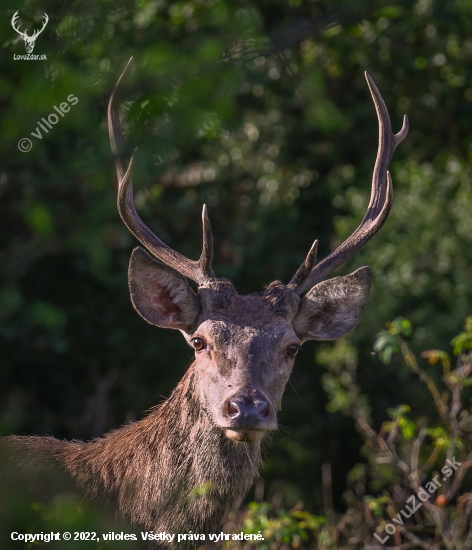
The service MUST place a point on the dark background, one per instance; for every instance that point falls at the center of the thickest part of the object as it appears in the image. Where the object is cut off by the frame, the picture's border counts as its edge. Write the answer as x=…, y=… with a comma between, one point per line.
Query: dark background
x=260, y=110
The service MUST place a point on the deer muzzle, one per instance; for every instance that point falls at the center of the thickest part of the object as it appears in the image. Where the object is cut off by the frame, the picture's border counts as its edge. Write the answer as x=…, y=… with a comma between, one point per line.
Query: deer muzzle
x=248, y=418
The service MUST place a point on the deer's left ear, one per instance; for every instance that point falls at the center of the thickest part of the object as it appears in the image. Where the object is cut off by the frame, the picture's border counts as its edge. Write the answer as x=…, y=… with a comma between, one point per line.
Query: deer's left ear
x=333, y=308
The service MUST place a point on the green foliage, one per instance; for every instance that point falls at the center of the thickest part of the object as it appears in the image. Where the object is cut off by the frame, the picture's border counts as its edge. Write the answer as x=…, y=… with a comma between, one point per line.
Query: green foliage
x=387, y=340
x=407, y=426
x=198, y=492
x=463, y=341
x=278, y=527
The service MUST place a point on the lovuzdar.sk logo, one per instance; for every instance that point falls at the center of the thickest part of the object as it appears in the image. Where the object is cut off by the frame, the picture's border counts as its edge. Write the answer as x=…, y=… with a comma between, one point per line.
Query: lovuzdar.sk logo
x=29, y=40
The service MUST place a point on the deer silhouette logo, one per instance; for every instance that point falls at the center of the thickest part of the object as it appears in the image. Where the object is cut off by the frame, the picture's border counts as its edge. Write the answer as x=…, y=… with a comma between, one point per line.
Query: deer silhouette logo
x=29, y=40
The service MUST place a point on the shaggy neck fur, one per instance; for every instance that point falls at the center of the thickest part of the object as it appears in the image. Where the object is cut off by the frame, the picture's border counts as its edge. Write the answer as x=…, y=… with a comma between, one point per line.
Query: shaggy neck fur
x=150, y=469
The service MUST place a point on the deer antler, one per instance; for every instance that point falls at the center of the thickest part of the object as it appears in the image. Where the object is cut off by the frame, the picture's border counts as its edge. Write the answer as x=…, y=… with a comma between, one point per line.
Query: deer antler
x=309, y=274
x=37, y=33
x=14, y=20
x=24, y=35
x=199, y=271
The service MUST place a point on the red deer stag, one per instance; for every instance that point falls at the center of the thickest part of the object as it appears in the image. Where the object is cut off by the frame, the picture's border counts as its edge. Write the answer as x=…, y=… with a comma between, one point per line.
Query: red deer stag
x=210, y=429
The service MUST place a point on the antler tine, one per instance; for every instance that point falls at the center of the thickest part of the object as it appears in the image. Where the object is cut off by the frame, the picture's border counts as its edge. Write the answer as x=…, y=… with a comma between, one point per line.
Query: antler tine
x=14, y=21
x=201, y=271
x=306, y=267
x=207, y=249
x=379, y=205
x=45, y=22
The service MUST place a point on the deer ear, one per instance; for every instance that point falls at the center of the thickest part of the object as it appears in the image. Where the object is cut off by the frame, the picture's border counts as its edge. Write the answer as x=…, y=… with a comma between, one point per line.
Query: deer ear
x=160, y=294
x=333, y=308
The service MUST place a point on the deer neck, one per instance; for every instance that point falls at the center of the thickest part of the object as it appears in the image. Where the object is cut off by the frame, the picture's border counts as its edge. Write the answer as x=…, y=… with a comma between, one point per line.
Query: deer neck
x=174, y=469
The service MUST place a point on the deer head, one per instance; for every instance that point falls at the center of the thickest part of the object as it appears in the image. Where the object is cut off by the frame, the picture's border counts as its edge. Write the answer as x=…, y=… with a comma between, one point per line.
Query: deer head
x=245, y=346
x=29, y=40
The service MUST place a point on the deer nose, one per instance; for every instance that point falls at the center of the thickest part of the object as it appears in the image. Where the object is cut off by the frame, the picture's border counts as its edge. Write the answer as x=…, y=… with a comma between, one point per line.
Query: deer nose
x=247, y=411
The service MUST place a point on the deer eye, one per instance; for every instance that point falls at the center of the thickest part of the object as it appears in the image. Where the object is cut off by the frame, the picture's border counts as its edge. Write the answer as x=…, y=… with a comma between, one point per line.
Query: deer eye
x=198, y=343
x=293, y=350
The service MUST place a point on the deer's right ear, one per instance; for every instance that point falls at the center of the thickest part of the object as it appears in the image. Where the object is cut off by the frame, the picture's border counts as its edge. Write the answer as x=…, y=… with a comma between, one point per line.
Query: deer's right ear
x=160, y=294
x=333, y=308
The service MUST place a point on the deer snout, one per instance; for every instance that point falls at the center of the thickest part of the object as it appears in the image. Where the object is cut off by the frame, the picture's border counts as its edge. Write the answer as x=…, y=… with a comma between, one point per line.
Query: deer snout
x=248, y=412
x=249, y=417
